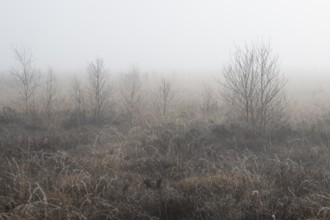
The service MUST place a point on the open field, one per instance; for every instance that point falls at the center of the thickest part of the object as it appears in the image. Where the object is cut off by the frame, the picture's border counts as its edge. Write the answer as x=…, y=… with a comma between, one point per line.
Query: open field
x=139, y=145
x=182, y=169
x=164, y=110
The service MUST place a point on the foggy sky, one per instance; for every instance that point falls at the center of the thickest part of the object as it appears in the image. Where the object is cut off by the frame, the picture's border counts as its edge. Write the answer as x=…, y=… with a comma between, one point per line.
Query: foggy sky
x=164, y=34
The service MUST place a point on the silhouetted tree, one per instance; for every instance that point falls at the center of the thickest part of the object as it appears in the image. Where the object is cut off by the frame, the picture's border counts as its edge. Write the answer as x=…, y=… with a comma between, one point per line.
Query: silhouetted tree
x=166, y=95
x=50, y=92
x=209, y=104
x=79, y=102
x=254, y=87
x=131, y=91
x=99, y=87
x=26, y=77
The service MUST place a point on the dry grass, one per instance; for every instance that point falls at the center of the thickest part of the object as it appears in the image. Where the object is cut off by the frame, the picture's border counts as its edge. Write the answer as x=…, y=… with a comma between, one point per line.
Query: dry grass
x=164, y=171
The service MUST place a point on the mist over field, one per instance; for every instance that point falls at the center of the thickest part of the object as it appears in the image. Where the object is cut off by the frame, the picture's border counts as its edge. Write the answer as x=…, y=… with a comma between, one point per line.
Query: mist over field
x=164, y=110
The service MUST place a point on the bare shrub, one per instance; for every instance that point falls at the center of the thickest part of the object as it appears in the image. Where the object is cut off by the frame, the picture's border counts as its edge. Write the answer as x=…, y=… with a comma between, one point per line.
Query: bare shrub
x=50, y=92
x=131, y=92
x=209, y=104
x=166, y=95
x=78, y=94
x=99, y=87
x=26, y=76
x=78, y=101
x=253, y=87
x=8, y=115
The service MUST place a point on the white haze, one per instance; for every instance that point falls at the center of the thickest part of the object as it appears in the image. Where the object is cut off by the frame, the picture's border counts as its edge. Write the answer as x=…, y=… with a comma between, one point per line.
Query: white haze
x=171, y=35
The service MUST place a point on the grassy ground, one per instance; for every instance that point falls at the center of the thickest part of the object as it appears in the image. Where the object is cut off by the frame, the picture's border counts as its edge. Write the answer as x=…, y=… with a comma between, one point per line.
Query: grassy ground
x=163, y=171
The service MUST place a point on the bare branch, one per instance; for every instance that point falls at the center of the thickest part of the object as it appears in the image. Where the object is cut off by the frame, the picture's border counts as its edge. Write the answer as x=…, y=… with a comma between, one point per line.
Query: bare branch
x=26, y=77
x=166, y=95
x=50, y=92
x=99, y=87
x=131, y=91
x=254, y=86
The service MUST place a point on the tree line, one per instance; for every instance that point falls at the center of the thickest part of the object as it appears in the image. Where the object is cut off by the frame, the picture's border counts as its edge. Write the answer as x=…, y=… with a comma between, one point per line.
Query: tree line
x=252, y=89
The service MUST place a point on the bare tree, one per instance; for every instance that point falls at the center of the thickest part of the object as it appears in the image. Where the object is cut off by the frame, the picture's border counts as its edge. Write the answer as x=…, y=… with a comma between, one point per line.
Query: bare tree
x=166, y=95
x=254, y=87
x=209, y=104
x=26, y=77
x=2, y=84
x=100, y=89
x=131, y=91
x=78, y=95
x=50, y=92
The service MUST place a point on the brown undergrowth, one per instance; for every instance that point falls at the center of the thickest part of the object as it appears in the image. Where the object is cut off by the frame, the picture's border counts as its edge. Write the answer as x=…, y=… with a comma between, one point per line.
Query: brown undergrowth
x=167, y=171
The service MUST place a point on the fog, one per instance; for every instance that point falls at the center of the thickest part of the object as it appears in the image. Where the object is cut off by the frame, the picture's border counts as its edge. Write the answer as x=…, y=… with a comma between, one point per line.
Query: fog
x=189, y=41
x=154, y=109
x=164, y=36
